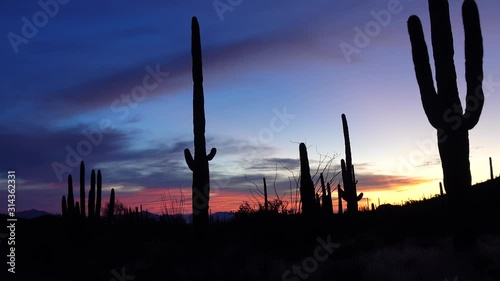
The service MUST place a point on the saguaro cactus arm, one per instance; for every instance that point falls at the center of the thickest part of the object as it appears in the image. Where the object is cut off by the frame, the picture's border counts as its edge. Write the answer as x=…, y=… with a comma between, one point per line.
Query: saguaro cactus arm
x=189, y=159
x=443, y=108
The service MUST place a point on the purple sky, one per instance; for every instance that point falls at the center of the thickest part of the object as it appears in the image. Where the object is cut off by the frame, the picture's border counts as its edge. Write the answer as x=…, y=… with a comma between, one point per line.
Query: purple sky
x=275, y=74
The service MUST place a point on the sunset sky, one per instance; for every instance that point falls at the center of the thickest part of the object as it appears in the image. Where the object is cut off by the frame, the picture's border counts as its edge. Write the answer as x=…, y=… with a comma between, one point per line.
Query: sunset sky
x=275, y=74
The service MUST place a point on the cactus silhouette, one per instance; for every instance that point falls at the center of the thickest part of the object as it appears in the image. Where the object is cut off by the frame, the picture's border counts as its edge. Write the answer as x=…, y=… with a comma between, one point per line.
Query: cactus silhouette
x=199, y=164
x=326, y=198
x=266, y=204
x=91, y=202
x=99, y=193
x=349, y=193
x=82, y=189
x=443, y=107
x=329, y=207
x=441, y=189
x=71, y=200
x=64, y=207
x=111, y=206
x=341, y=210
x=307, y=194
x=77, y=208
x=491, y=169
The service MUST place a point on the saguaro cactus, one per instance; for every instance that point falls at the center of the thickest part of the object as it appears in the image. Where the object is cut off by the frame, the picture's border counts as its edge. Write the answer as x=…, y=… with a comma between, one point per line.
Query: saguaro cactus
x=329, y=204
x=307, y=194
x=82, y=189
x=111, y=206
x=266, y=204
x=349, y=193
x=326, y=198
x=341, y=210
x=99, y=193
x=64, y=207
x=71, y=200
x=491, y=169
x=199, y=165
x=92, y=195
x=443, y=107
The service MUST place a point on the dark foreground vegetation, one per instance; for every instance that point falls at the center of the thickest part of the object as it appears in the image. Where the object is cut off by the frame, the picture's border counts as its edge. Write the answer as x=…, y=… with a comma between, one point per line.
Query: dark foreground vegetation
x=410, y=242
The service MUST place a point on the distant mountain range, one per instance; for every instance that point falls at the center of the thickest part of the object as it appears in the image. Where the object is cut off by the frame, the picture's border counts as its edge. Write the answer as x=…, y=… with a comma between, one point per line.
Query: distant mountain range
x=219, y=216
x=31, y=214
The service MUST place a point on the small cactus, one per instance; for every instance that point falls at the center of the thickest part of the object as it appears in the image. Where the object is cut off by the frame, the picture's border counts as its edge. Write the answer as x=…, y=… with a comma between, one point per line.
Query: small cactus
x=111, y=206
x=92, y=195
x=307, y=194
x=71, y=200
x=99, y=193
x=82, y=189
x=64, y=207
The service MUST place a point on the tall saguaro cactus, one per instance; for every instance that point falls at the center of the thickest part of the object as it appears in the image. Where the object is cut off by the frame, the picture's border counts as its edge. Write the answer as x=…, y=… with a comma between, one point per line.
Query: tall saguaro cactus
x=307, y=194
x=349, y=193
x=99, y=193
x=199, y=164
x=443, y=107
x=92, y=195
x=71, y=200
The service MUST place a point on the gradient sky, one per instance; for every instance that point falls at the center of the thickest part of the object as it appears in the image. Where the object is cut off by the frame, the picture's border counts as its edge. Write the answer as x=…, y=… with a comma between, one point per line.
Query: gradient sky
x=260, y=58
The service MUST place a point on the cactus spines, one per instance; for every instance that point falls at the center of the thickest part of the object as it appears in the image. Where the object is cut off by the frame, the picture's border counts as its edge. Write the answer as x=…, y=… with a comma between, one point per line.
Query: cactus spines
x=99, y=193
x=307, y=194
x=443, y=107
x=349, y=193
x=199, y=164
x=111, y=206
x=71, y=200
x=491, y=169
x=92, y=195
x=64, y=207
x=82, y=189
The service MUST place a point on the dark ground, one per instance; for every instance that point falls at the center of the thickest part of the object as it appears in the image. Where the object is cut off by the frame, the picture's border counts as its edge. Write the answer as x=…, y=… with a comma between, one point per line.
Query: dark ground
x=400, y=243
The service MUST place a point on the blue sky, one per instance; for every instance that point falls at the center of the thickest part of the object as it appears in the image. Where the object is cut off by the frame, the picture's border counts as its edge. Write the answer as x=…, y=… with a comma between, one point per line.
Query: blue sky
x=262, y=61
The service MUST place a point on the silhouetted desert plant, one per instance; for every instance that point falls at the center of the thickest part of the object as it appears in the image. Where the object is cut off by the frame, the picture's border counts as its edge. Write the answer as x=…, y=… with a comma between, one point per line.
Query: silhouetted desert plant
x=71, y=200
x=326, y=197
x=111, y=206
x=307, y=194
x=443, y=107
x=491, y=170
x=82, y=189
x=199, y=164
x=99, y=194
x=91, y=206
x=349, y=193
